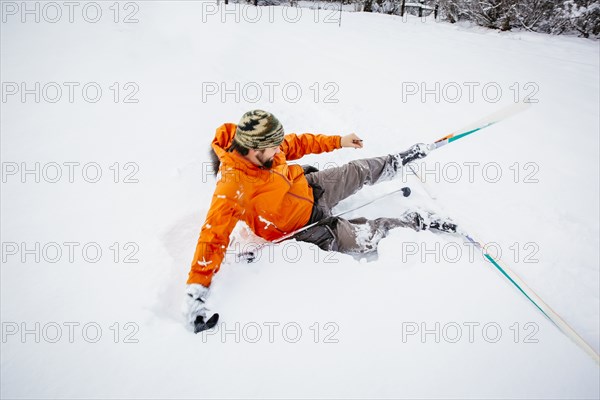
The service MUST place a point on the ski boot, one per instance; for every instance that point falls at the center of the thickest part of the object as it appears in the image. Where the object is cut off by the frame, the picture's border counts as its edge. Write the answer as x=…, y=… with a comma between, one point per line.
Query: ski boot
x=443, y=226
x=428, y=221
x=415, y=152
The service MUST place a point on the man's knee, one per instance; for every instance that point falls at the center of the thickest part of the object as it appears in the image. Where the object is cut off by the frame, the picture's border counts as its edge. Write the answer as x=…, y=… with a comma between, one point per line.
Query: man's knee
x=346, y=237
x=360, y=172
x=322, y=234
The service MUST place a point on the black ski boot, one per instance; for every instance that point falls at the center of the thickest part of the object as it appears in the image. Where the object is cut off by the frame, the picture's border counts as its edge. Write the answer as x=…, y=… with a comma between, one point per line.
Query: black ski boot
x=443, y=226
x=415, y=152
x=431, y=221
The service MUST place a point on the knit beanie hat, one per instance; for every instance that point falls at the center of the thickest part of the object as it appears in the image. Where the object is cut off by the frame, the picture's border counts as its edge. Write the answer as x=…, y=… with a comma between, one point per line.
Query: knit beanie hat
x=259, y=129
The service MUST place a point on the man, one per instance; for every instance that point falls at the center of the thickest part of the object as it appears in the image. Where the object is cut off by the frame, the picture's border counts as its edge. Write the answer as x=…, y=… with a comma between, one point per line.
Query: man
x=257, y=186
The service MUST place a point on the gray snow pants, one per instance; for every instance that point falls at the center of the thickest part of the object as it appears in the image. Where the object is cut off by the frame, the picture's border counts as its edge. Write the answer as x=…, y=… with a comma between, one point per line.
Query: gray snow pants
x=359, y=235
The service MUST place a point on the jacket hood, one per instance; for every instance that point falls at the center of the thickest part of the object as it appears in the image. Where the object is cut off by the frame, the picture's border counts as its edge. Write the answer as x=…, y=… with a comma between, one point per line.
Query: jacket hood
x=223, y=139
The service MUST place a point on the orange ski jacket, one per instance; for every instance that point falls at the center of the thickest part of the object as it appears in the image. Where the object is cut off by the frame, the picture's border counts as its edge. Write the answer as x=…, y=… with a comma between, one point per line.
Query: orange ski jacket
x=272, y=202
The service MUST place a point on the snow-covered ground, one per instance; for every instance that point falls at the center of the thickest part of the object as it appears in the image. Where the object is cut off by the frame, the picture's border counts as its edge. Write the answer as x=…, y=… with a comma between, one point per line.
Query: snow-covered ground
x=427, y=319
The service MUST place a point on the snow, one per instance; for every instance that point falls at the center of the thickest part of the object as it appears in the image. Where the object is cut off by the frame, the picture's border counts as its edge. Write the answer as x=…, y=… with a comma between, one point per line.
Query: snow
x=204, y=263
x=265, y=221
x=355, y=319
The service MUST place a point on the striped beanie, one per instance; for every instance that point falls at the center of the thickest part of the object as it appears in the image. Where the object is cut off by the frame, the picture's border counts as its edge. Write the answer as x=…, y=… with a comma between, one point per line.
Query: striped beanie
x=259, y=129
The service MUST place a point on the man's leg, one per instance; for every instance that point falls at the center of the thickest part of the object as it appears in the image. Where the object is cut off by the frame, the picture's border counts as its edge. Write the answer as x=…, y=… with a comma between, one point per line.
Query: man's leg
x=335, y=184
x=361, y=235
x=342, y=182
x=355, y=236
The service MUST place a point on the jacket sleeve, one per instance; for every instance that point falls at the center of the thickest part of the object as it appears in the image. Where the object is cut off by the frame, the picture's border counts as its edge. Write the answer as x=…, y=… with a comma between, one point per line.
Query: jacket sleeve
x=214, y=237
x=295, y=146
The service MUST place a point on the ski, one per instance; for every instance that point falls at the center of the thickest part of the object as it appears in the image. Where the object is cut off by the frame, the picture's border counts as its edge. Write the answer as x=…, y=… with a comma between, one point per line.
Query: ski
x=483, y=123
x=513, y=278
x=536, y=300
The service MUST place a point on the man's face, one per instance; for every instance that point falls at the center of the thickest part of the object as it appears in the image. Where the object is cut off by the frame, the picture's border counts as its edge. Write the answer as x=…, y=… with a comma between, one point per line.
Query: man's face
x=265, y=156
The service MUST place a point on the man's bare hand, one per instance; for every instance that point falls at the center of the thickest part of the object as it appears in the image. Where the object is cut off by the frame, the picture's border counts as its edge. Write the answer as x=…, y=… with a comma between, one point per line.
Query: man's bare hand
x=352, y=140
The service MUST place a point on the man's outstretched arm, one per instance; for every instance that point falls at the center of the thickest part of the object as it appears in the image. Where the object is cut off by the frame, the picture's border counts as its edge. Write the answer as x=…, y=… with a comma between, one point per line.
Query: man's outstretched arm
x=210, y=251
x=296, y=146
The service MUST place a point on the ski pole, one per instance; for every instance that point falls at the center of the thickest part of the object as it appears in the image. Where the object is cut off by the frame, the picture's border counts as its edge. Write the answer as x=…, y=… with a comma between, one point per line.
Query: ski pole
x=249, y=255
